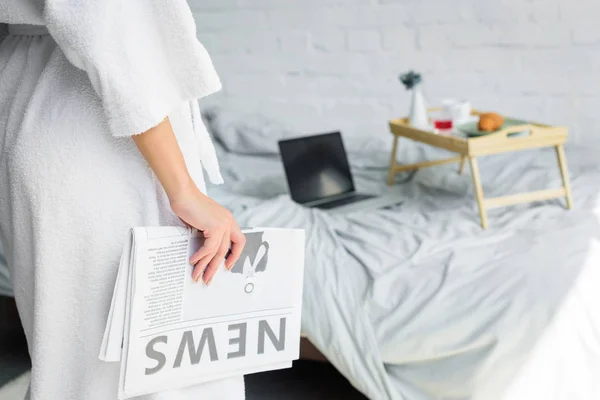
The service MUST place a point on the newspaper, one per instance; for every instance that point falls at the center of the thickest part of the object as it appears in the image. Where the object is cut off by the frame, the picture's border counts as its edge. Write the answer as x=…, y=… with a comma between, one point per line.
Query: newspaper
x=170, y=332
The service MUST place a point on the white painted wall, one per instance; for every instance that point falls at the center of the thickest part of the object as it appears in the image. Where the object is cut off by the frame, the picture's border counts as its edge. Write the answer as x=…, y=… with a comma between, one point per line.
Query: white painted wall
x=333, y=64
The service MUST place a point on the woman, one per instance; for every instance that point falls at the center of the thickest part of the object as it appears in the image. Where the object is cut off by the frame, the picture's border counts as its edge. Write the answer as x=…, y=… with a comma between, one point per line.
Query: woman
x=99, y=132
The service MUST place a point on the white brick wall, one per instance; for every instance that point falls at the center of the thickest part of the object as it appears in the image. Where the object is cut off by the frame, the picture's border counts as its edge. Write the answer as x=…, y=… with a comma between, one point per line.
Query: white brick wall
x=333, y=64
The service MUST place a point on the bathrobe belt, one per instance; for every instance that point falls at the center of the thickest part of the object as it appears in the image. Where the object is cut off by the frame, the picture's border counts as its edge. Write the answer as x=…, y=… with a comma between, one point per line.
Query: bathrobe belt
x=208, y=156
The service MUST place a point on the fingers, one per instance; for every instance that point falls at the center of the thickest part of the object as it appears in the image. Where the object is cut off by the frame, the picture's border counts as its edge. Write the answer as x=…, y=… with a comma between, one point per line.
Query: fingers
x=216, y=261
x=215, y=248
x=202, y=257
x=199, y=268
x=238, y=241
x=209, y=247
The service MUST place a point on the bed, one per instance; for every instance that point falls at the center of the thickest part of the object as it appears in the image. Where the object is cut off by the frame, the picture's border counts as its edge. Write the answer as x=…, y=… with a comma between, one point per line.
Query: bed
x=418, y=302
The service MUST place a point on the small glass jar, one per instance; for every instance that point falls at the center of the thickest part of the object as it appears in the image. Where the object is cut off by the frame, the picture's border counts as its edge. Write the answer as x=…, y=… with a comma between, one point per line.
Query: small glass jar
x=441, y=121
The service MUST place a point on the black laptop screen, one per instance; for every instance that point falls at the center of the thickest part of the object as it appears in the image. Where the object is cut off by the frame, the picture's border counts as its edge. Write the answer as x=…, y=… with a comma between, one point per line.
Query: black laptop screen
x=316, y=167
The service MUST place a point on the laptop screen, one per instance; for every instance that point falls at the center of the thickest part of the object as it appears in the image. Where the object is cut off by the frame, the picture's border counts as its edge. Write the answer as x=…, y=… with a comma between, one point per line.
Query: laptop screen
x=316, y=167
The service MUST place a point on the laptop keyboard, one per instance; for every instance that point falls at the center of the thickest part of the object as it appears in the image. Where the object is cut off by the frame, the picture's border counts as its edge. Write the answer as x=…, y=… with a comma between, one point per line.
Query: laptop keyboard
x=344, y=201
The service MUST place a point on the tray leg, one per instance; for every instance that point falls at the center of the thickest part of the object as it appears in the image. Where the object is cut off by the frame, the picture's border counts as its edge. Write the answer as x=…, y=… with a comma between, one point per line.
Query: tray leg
x=478, y=191
x=461, y=167
x=564, y=172
x=392, y=171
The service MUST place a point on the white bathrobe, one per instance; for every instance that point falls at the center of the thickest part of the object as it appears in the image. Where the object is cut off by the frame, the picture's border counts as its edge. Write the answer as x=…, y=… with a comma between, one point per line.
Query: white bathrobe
x=72, y=182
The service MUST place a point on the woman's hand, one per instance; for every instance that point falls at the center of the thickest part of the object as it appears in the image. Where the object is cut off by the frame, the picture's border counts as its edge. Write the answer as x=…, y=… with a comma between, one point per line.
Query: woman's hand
x=159, y=147
x=219, y=228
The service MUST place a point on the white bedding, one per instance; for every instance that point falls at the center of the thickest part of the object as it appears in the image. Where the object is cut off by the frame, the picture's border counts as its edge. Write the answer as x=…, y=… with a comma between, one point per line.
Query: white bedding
x=421, y=303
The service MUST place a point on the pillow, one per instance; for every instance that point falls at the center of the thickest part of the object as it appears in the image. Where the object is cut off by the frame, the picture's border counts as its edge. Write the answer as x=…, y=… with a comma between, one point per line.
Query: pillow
x=246, y=132
x=253, y=133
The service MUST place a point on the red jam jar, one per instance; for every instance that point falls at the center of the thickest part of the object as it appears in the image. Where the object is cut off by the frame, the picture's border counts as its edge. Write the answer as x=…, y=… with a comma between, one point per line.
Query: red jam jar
x=442, y=124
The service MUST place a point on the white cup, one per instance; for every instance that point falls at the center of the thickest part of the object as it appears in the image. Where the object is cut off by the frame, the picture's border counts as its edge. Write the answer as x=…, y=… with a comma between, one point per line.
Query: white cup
x=460, y=110
x=449, y=108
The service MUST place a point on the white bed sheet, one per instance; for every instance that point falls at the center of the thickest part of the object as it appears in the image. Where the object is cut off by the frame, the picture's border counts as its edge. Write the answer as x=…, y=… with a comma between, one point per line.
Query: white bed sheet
x=421, y=303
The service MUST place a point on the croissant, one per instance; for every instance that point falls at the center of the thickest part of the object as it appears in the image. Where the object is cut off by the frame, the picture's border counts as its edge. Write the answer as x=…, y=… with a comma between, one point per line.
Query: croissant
x=489, y=122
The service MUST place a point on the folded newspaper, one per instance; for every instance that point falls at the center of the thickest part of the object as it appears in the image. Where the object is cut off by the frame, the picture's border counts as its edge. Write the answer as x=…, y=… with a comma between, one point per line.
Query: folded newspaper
x=170, y=332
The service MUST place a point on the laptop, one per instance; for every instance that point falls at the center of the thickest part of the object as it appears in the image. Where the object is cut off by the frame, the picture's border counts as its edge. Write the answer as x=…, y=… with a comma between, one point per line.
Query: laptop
x=318, y=175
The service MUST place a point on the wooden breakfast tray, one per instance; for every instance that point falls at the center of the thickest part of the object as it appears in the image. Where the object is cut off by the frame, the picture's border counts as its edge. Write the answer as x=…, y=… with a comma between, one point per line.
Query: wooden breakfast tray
x=535, y=135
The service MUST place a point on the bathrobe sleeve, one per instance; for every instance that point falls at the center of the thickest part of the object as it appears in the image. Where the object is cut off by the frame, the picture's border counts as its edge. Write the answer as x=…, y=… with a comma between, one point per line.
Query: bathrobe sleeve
x=142, y=56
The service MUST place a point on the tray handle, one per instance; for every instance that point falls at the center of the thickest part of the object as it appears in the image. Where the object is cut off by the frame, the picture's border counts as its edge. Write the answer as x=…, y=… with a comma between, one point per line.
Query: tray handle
x=530, y=131
x=527, y=129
